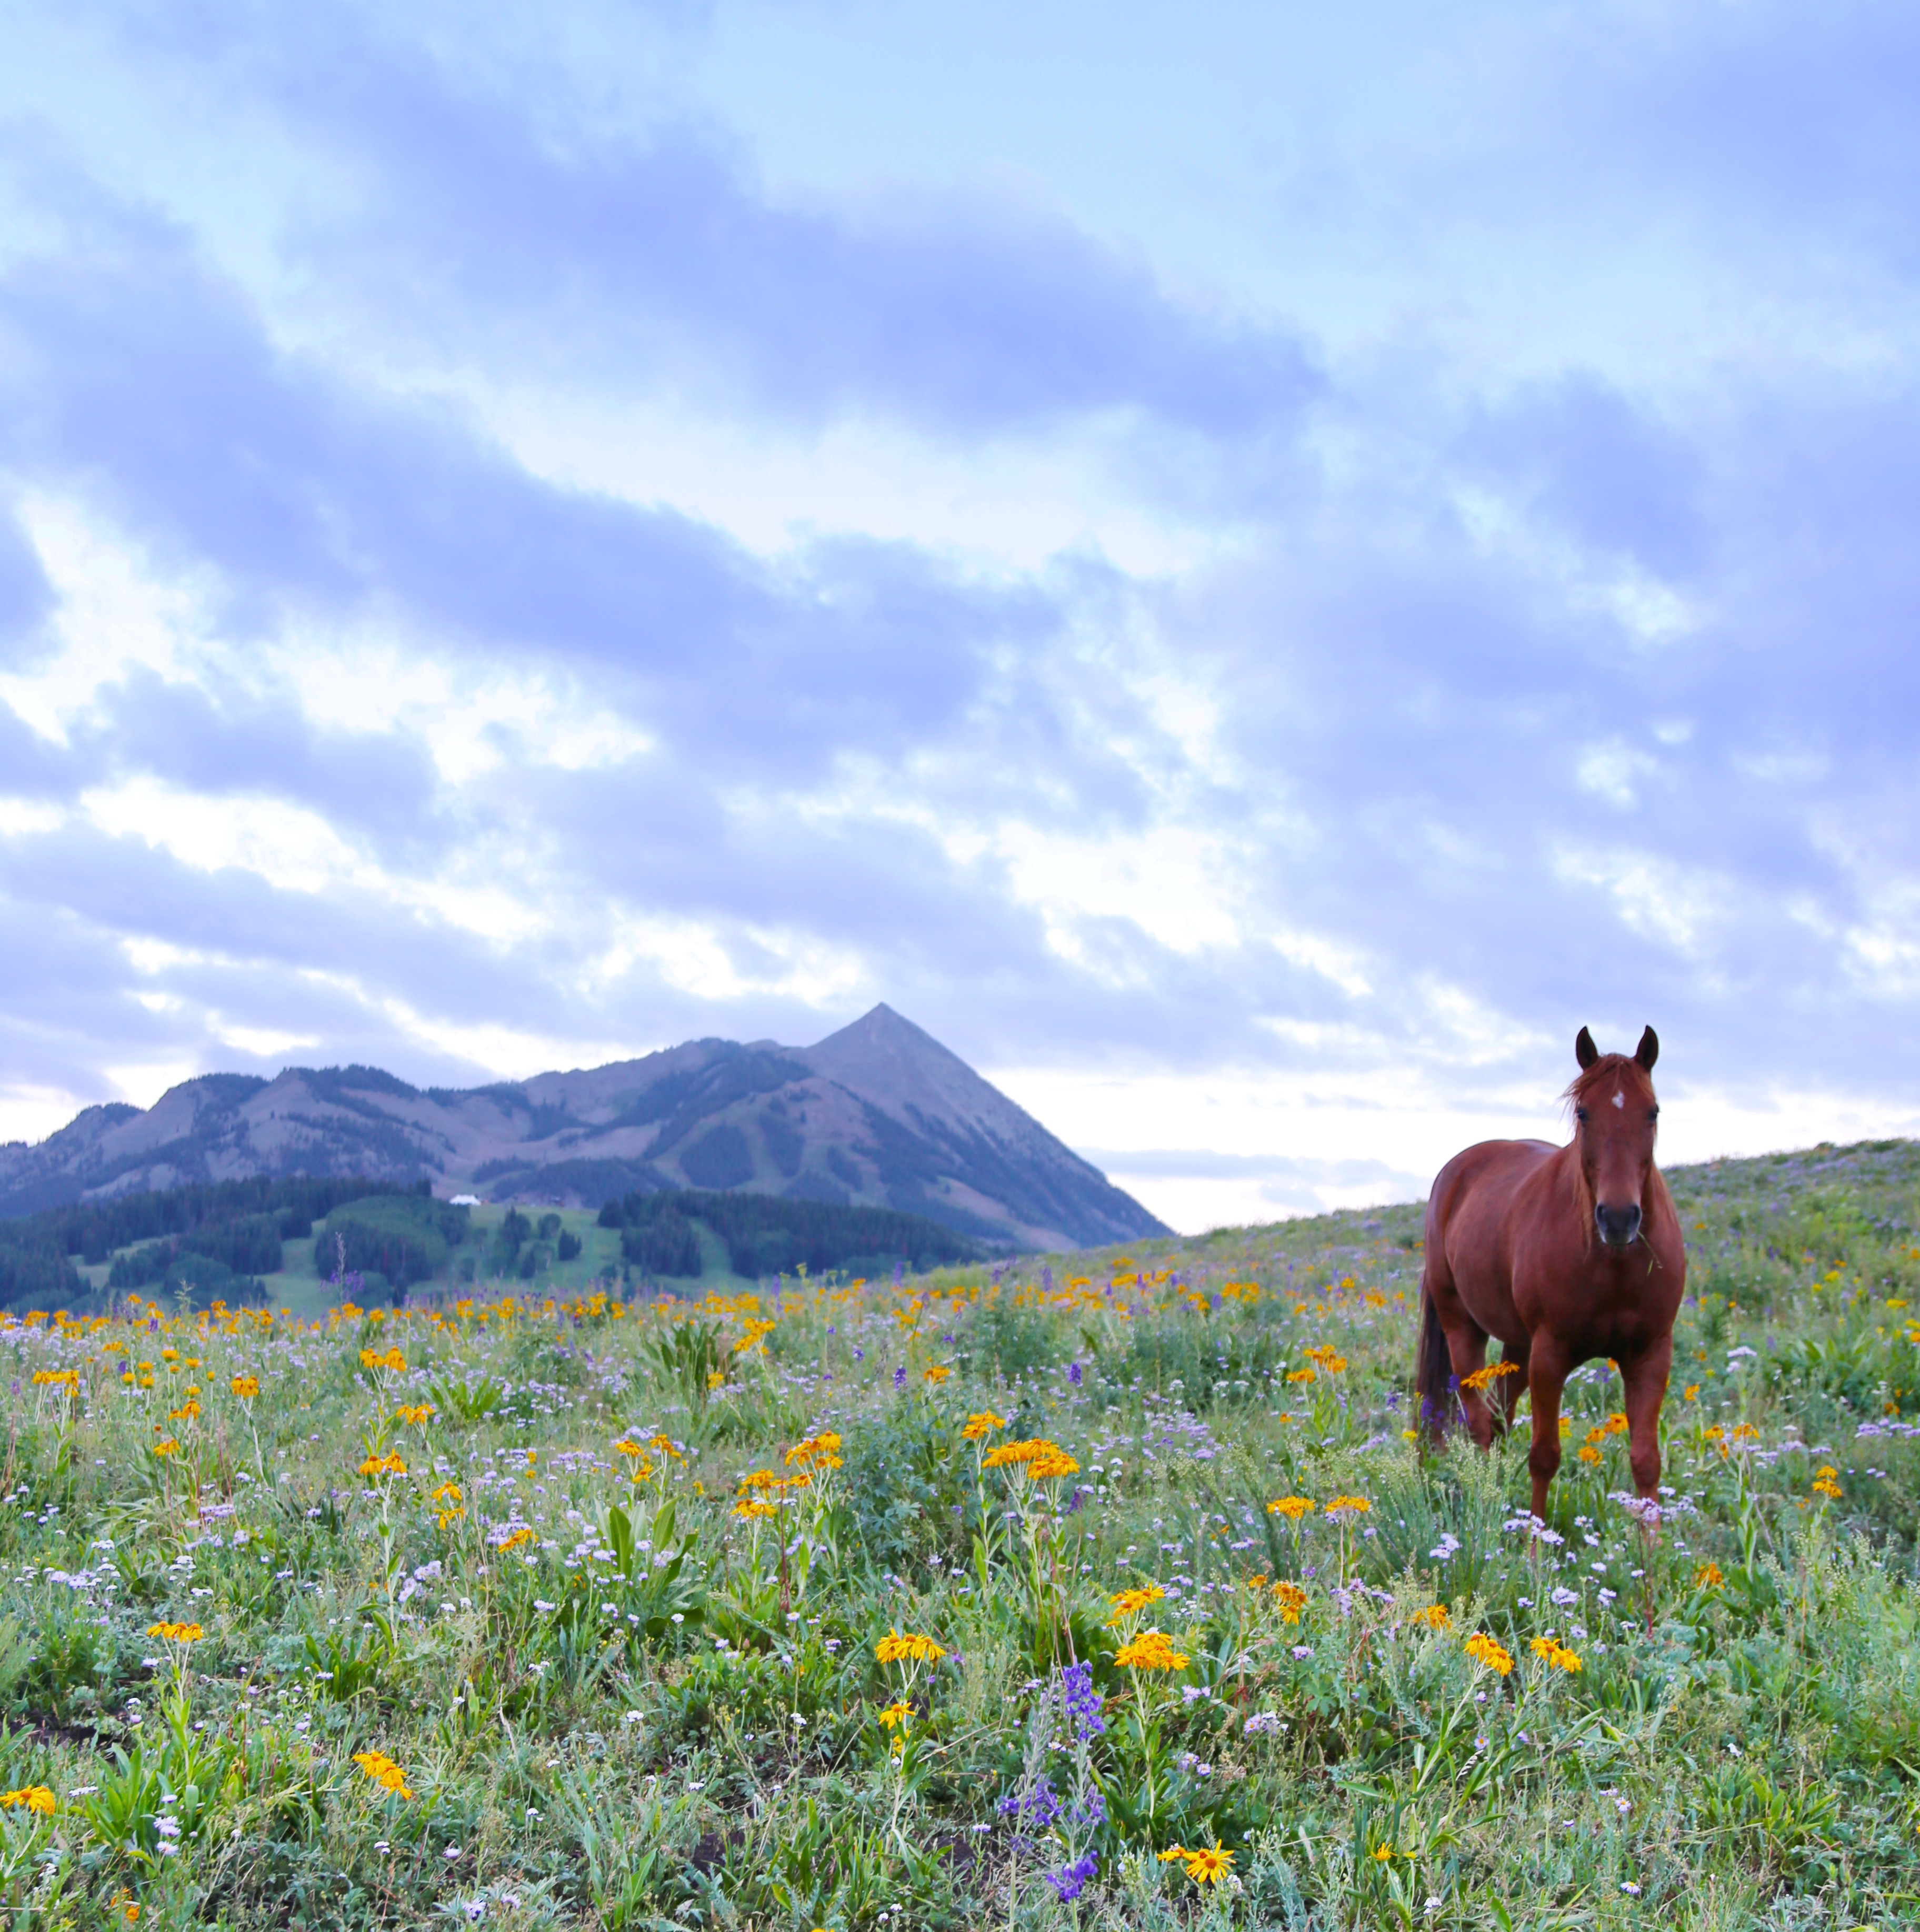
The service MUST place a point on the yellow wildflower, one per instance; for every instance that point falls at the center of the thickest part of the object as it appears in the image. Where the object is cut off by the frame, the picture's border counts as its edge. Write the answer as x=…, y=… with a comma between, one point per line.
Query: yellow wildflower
x=1291, y=1508
x=816, y=1452
x=246, y=1387
x=35, y=1797
x=1485, y=1378
x=1130, y=1603
x=1151, y=1650
x=894, y=1648
x=383, y=1770
x=1035, y=1449
x=982, y=1422
x=1495, y=1656
x=1291, y=1600
x=1209, y=1866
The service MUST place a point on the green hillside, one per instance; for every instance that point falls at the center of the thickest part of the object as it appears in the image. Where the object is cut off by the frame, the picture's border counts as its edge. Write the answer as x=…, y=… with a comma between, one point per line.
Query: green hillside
x=1107, y=1588
x=281, y=1243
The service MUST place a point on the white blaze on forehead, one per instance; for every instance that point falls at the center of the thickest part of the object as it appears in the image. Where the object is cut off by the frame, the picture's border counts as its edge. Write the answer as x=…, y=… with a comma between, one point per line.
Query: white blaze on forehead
x=1619, y=1099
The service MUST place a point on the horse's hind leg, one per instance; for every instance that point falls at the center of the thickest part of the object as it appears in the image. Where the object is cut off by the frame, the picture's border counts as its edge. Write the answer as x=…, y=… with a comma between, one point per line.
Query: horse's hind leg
x=1506, y=1390
x=1466, y=1348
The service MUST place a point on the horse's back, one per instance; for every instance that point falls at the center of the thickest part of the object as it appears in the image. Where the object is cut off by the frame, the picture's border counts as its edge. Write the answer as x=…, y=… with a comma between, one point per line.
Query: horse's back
x=1478, y=1176
x=1468, y=1209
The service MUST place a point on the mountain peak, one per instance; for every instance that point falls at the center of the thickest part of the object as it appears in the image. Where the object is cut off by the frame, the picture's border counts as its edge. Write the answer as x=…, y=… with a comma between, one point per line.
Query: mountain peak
x=891, y=1061
x=879, y=1114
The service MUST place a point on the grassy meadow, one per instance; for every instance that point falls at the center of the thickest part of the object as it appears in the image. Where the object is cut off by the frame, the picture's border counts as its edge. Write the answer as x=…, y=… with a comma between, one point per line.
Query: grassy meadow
x=964, y=1601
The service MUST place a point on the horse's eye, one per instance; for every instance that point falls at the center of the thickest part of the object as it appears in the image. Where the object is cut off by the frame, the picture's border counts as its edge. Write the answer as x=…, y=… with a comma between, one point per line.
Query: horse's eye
x=1579, y=1114
x=1653, y=1113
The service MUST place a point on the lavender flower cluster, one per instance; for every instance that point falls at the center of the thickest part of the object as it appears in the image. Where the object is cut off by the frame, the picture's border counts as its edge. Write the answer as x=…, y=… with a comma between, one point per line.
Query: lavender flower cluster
x=1082, y=1700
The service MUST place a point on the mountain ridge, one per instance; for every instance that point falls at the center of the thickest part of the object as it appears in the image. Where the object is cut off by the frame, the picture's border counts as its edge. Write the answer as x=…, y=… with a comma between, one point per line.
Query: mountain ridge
x=879, y=1114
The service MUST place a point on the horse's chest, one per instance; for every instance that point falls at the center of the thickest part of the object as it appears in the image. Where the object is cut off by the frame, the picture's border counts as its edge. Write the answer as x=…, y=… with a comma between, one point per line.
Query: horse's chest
x=1601, y=1310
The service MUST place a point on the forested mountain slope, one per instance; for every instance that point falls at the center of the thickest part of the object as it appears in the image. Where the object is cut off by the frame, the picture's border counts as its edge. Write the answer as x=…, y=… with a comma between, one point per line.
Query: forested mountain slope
x=878, y=1114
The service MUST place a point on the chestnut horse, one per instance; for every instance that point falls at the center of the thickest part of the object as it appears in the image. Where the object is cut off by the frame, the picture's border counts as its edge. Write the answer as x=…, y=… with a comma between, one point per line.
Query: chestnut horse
x=1564, y=1254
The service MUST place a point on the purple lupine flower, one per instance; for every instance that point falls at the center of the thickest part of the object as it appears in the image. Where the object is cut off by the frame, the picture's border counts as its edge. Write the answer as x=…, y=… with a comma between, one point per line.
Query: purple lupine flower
x=900, y=1377
x=1082, y=1700
x=1046, y=1279
x=1071, y=1879
x=1074, y=1374
x=1038, y=1809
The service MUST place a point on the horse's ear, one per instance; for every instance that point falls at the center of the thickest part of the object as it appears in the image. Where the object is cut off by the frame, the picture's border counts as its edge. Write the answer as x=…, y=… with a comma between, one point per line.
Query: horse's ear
x=1584, y=1051
x=1649, y=1049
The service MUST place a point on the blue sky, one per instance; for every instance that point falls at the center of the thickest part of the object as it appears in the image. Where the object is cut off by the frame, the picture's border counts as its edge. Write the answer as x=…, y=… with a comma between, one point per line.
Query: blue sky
x=1249, y=571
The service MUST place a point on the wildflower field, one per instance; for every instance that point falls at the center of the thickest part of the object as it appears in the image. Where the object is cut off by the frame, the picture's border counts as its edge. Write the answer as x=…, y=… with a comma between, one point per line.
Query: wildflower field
x=1091, y=1590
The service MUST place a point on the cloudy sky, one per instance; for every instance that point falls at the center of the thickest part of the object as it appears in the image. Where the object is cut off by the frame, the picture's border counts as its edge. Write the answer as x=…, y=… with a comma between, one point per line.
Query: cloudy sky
x=1250, y=565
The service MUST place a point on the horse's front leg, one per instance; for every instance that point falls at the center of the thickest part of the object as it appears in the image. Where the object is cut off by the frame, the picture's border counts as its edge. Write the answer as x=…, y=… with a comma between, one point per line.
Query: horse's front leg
x=1645, y=1377
x=1547, y=1367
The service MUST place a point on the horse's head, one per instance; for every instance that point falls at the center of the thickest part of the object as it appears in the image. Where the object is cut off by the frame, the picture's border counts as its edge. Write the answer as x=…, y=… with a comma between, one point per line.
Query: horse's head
x=1615, y=1117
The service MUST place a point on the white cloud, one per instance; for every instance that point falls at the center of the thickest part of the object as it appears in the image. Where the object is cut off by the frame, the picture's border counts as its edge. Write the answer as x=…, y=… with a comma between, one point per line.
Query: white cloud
x=1180, y=887
x=31, y=1112
x=113, y=613
x=292, y=848
x=1674, y=905
x=19, y=816
x=1612, y=770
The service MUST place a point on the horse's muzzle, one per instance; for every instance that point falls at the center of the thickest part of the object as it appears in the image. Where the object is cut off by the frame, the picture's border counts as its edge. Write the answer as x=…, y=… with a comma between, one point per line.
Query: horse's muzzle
x=1619, y=1227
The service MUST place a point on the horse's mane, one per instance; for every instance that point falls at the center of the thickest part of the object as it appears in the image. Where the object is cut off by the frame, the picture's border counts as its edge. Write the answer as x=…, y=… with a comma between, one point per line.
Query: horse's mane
x=1589, y=1077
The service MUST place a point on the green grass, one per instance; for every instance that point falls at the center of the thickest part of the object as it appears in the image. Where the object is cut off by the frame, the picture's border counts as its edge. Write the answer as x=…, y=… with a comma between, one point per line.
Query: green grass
x=689, y=1733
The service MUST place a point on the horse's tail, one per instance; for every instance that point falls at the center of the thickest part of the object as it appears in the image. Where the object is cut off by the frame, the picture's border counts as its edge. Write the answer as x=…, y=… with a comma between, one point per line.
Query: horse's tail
x=1433, y=1370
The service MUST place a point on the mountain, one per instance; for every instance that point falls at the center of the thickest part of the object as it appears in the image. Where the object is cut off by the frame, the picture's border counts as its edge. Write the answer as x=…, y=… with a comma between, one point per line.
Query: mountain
x=878, y=1114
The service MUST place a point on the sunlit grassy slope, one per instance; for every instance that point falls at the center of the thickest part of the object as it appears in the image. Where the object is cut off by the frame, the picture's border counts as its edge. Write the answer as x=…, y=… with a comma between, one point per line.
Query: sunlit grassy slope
x=798, y=1609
